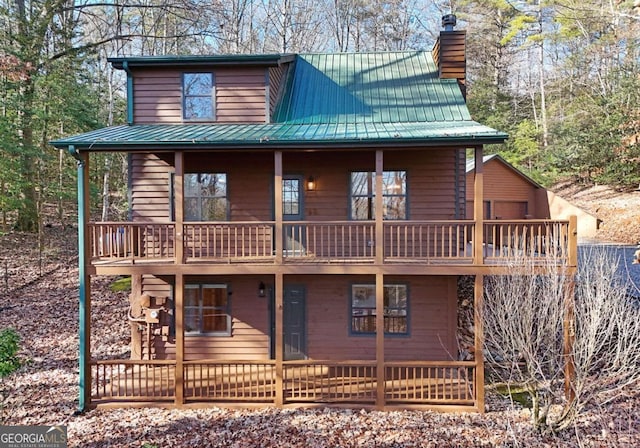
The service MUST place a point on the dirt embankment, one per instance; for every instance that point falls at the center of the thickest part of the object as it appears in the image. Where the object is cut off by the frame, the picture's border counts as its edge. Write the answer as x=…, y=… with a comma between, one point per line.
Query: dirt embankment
x=618, y=210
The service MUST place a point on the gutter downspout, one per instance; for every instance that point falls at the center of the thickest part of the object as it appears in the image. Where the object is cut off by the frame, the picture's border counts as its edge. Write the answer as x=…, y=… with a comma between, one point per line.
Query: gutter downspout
x=125, y=67
x=82, y=305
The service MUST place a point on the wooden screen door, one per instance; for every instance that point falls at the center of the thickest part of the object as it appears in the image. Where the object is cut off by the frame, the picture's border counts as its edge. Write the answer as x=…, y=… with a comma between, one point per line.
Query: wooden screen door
x=295, y=323
x=293, y=210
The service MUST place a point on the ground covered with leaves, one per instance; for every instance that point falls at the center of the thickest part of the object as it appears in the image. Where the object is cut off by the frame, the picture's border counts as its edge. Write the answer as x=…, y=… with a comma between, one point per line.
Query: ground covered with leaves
x=44, y=390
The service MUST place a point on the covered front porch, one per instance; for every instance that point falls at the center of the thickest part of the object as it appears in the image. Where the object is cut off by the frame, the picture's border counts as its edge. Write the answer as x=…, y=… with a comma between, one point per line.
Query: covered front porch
x=296, y=340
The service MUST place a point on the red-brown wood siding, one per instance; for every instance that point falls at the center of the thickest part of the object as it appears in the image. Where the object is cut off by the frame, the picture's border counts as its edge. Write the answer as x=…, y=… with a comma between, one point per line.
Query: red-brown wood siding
x=157, y=96
x=450, y=58
x=505, y=190
x=249, y=338
x=149, y=190
x=240, y=95
x=431, y=182
x=432, y=319
x=449, y=54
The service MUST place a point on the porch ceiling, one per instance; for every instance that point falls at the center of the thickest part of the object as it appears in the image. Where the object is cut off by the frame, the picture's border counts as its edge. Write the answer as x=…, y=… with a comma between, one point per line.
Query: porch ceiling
x=268, y=136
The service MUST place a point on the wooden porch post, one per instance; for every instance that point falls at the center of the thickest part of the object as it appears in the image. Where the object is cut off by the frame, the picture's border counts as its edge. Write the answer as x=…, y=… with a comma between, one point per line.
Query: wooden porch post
x=179, y=306
x=478, y=207
x=279, y=345
x=478, y=303
x=569, y=337
x=137, y=349
x=277, y=166
x=380, y=368
x=178, y=205
x=279, y=281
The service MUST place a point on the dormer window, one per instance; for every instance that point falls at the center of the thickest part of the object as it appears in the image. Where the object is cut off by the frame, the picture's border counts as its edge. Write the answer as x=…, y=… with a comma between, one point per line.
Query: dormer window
x=197, y=91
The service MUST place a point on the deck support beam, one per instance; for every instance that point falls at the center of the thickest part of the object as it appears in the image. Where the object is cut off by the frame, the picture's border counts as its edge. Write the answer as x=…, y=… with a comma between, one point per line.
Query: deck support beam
x=478, y=303
x=478, y=206
x=279, y=281
x=179, y=324
x=279, y=345
x=380, y=371
x=178, y=206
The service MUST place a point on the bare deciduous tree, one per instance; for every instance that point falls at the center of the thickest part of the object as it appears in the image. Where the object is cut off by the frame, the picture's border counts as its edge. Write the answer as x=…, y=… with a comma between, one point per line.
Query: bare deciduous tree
x=526, y=314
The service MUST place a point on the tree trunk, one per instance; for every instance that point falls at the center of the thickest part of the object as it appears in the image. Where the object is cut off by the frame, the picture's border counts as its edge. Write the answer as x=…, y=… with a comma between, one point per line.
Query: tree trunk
x=27, y=214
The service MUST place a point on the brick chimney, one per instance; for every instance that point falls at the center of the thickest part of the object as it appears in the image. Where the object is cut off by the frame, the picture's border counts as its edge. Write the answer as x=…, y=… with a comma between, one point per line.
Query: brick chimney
x=449, y=52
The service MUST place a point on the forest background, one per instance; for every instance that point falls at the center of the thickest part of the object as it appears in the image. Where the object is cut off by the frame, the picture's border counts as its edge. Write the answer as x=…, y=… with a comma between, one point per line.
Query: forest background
x=562, y=77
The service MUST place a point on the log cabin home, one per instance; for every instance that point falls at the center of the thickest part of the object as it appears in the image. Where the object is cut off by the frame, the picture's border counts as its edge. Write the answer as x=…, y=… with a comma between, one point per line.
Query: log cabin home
x=297, y=231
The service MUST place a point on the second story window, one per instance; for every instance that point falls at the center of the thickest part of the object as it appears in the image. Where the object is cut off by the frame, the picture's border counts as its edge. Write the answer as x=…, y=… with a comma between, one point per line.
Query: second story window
x=394, y=195
x=197, y=91
x=205, y=197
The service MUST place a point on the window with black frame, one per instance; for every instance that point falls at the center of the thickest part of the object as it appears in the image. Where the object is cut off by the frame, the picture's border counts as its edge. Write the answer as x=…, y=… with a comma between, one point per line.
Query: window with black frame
x=363, y=309
x=207, y=310
x=394, y=195
x=205, y=197
x=198, y=96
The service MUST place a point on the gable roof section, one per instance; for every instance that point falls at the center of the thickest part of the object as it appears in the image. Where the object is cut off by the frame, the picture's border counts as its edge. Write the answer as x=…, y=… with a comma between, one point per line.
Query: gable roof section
x=497, y=157
x=359, y=99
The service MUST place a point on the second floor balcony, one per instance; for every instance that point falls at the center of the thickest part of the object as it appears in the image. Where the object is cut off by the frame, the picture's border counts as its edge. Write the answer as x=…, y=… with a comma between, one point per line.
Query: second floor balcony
x=455, y=242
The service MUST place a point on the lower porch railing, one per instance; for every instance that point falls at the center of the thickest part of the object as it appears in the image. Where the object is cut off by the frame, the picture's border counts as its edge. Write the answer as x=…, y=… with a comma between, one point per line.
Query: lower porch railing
x=129, y=380
x=417, y=382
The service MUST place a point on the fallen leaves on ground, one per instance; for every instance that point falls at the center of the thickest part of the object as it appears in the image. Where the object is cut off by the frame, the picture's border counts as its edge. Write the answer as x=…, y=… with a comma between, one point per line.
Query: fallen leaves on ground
x=45, y=390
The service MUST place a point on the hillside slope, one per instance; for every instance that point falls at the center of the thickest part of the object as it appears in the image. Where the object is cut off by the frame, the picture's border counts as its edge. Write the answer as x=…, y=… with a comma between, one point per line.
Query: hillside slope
x=618, y=210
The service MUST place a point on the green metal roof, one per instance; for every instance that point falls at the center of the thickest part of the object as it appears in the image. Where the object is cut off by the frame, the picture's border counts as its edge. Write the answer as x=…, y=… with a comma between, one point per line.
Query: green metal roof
x=393, y=87
x=268, y=135
x=391, y=98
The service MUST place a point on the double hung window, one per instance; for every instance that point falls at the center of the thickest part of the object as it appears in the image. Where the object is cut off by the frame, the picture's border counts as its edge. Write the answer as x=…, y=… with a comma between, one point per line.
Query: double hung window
x=205, y=197
x=394, y=195
x=207, y=310
x=363, y=309
x=197, y=94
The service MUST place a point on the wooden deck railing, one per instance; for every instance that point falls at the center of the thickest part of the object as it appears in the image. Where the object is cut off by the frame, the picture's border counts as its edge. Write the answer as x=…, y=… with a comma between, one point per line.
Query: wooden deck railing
x=335, y=240
x=228, y=241
x=330, y=381
x=428, y=242
x=431, y=382
x=229, y=381
x=307, y=381
x=532, y=239
x=142, y=241
x=129, y=380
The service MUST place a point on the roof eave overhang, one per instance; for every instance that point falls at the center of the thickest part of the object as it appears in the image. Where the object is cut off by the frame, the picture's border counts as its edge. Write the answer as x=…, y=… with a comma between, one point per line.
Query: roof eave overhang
x=265, y=60
x=462, y=142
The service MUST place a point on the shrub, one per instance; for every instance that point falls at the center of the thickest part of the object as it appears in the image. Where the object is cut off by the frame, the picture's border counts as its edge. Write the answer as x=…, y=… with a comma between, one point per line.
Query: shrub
x=9, y=361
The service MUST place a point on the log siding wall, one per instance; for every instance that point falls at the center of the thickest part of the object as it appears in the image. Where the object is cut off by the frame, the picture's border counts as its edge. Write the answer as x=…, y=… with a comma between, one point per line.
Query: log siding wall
x=149, y=188
x=240, y=95
x=431, y=184
x=432, y=321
